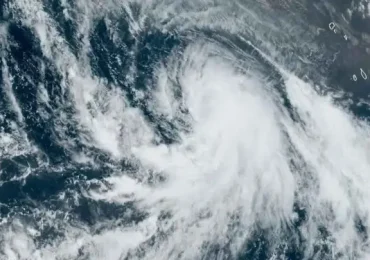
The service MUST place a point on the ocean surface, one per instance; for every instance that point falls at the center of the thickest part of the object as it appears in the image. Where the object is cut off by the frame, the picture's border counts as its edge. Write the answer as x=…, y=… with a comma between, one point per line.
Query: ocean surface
x=184, y=129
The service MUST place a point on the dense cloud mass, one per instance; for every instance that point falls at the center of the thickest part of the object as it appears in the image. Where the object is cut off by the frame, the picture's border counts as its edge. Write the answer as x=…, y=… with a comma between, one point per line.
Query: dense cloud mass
x=184, y=129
